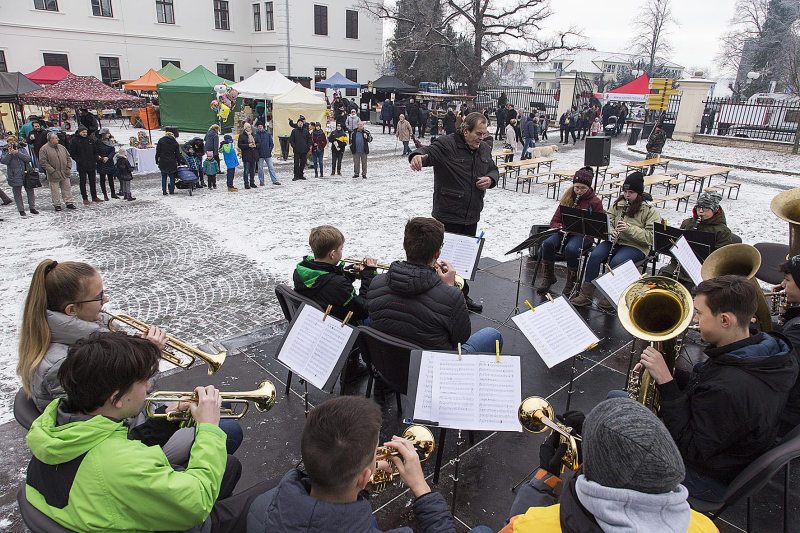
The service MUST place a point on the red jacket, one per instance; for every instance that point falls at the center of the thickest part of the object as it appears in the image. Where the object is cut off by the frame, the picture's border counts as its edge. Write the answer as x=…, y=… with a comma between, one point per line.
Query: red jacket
x=589, y=201
x=319, y=139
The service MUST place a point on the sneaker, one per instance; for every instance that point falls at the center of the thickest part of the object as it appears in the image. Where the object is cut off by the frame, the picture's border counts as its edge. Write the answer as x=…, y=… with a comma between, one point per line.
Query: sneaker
x=86, y=202
x=34, y=211
x=70, y=206
x=232, y=189
x=277, y=183
x=57, y=207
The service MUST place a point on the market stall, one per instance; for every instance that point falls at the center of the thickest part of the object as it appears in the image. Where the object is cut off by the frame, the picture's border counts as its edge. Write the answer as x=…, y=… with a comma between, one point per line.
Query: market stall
x=298, y=101
x=12, y=84
x=48, y=75
x=171, y=72
x=186, y=102
x=264, y=85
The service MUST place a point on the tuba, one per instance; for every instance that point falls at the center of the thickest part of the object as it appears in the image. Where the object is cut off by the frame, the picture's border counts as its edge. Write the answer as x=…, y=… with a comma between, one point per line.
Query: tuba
x=263, y=398
x=786, y=205
x=536, y=415
x=422, y=439
x=742, y=260
x=655, y=309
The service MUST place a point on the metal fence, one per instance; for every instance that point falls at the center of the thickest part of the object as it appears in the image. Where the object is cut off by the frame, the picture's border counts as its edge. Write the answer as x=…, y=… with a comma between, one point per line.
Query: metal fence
x=764, y=118
x=524, y=98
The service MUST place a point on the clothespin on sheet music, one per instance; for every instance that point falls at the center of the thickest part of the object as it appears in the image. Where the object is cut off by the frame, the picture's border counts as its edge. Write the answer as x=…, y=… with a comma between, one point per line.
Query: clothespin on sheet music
x=346, y=318
x=327, y=312
x=591, y=346
x=673, y=241
x=609, y=269
x=497, y=349
x=530, y=306
x=547, y=295
x=664, y=220
x=459, y=351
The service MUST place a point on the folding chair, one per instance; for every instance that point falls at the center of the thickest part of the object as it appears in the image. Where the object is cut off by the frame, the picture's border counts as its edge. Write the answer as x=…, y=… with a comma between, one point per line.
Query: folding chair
x=25, y=410
x=290, y=302
x=34, y=519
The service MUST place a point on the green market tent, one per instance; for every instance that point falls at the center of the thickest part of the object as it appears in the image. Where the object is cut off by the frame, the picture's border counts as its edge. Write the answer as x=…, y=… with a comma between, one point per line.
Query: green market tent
x=186, y=102
x=172, y=72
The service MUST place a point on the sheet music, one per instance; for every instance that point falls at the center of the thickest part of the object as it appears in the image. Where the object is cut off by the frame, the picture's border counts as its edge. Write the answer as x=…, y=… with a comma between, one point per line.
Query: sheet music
x=313, y=347
x=475, y=393
x=556, y=331
x=614, y=284
x=685, y=255
x=462, y=251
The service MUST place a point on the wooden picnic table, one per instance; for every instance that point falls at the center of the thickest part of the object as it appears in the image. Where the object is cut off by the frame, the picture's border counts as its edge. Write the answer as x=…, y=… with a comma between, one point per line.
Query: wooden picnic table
x=638, y=165
x=511, y=166
x=497, y=154
x=649, y=181
x=562, y=175
x=700, y=175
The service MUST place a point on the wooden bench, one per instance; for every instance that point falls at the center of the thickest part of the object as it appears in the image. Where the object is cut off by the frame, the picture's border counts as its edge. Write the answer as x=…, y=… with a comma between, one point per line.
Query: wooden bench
x=555, y=184
x=730, y=186
x=675, y=183
x=529, y=178
x=606, y=194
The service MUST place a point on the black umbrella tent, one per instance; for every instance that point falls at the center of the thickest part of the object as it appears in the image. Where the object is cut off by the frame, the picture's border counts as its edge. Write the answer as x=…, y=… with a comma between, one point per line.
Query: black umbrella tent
x=390, y=84
x=12, y=84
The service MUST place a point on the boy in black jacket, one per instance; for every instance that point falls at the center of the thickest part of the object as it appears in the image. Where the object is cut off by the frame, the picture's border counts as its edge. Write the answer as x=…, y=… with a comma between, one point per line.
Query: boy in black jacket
x=728, y=413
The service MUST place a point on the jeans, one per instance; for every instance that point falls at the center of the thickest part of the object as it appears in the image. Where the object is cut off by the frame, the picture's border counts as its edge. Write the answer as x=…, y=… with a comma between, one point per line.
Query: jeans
x=270, y=167
x=406, y=149
x=235, y=434
x=703, y=487
x=600, y=255
x=318, y=158
x=336, y=162
x=571, y=251
x=527, y=143
x=231, y=174
x=18, y=197
x=249, y=173
x=172, y=176
x=483, y=341
x=88, y=175
x=481, y=529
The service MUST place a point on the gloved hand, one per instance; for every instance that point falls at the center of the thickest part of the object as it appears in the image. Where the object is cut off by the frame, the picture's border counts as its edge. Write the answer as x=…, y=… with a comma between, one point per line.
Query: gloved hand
x=551, y=453
x=573, y=419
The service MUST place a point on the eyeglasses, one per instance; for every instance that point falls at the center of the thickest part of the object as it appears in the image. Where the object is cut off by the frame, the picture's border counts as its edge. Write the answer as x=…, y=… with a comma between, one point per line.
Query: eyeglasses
x=98, y=299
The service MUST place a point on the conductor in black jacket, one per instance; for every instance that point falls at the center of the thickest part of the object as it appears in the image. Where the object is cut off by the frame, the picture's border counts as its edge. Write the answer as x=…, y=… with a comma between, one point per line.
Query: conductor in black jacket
x=463, y=168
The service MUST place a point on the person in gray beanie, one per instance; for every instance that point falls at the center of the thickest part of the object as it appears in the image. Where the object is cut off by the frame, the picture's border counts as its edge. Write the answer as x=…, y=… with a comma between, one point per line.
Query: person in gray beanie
x=629, y=481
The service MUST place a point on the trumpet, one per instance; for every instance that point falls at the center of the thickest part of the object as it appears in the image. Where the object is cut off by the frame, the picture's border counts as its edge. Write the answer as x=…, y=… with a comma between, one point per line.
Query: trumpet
x=424, y=444
x=263, y=398
x=213, y=360
x=353, y=261
x=537, y=415
x=459, y=281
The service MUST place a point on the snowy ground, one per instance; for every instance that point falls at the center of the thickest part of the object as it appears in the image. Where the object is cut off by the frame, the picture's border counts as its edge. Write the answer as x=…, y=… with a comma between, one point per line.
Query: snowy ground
x=205, y=266
x=731, y=156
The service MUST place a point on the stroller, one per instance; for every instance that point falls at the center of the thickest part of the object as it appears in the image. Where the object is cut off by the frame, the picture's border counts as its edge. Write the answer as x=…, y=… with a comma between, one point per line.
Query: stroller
x=610, y=128
x=187, y=179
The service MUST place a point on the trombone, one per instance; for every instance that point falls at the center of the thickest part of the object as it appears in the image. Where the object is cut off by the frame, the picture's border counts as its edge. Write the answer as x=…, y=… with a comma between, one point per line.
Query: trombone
x=263, y=398
x=422, y=440
x=537, y=415
x=214, y=361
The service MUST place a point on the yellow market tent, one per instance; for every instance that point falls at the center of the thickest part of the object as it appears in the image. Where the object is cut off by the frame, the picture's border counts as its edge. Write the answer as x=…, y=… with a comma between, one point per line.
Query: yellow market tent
x=298, y=101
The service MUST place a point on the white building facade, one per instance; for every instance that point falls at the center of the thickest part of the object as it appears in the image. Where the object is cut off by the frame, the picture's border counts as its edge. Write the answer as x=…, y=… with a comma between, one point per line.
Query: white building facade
x=122, y=39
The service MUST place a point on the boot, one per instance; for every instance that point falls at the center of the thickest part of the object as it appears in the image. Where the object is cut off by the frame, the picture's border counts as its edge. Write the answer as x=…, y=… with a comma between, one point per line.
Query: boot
x=114, y=195
x=605, y=305
x=585, y=297
x=548, y=276
x=572, y=278
x=105, y=195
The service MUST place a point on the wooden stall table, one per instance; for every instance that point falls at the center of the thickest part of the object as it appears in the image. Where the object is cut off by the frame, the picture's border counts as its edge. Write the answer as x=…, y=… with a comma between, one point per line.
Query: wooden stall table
x=700, y=175
x=639, y=165
x=511, y=166
x=654, y=179
x=497, y=154
x=564, y=175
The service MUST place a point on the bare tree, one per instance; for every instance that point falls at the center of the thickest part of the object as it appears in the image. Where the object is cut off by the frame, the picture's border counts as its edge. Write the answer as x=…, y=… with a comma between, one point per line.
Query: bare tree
x=479, y=33
x=793, y=77
x=654, y=22
x=745, y=26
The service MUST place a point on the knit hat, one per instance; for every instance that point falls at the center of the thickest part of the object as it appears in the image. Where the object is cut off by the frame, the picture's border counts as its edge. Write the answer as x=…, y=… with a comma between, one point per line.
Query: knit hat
x=709, y=200
x=210, y=153
x=104, y=131
x=81, y=128
x=584, y=176
x=227, y=137
x=626, y=447
x=122, y=153
x=634, y=182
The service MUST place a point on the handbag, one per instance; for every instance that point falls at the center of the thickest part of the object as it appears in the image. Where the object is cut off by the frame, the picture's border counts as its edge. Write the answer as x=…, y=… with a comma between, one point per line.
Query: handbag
x=31, y=179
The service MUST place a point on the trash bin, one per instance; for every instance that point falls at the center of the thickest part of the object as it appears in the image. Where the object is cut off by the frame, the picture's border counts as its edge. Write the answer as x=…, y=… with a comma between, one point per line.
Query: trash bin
x=634, y=137
x=284, y=140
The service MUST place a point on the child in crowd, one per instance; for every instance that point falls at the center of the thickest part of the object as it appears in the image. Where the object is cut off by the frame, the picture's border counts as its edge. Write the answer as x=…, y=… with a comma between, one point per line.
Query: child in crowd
x=231, y=160
x=594, y=129
x=194, y=159
x=211, y=169
x=125, y=173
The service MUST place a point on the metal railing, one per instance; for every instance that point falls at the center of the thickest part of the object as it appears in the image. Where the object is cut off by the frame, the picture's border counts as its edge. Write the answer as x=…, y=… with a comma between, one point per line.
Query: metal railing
x=525, y=99
x=765, y=118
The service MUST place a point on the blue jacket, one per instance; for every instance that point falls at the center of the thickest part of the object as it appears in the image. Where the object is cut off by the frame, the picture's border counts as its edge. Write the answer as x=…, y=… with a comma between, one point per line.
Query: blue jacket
x=229, y=153
x=266, y=144
x=387, y=112
x=529, y=130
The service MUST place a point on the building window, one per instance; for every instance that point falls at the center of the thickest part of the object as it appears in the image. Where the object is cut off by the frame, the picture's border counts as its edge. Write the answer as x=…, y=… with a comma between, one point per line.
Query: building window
x=320, y=20
x=256, y=17
x=165, y=62
x=221, y=20
x=320, y=74
x=558, y=65
x=46, y=5
x=351, y=31
x=56, y=60
x=165, y=12
x=102, y=8
x=109, y=70
x=225, y=70
x=269, y=15
x=269, y=68
x=352, y=75
x=3, y=65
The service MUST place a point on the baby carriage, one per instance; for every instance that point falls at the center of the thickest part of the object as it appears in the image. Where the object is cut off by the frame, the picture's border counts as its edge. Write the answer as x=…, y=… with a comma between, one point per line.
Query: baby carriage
x=610, y=128
x=186, y=179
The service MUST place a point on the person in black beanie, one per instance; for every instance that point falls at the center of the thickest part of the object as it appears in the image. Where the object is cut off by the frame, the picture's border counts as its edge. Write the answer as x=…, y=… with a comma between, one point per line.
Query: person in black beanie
x=629, y=481
x=790, y=417
x=632, y=218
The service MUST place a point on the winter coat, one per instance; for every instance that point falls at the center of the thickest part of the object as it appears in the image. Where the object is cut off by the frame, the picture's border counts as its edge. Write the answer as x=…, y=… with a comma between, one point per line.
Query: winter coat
x=319, y=141
x=656, y=141
x=36, y=139
x=86, y=475
x=16, y=165
x=338, y=141
x=449, y=122
x=351, y=123
x=289, y=507
x=640, y=227
x=55, y=161
x=562, y=121
x=124, y=169
x=229, y=154
x=529, y=130
x=387, y=111
x=210, y=167
x=511, y=137
x=424, y=112
x=500, y=115
x=413, y=115
x=728, y=415
x=82, y=150
x=790, y=417
x=595, y=127
x=168, y=153
x=716, y=225
x=327, y=284
x=456, y=168
x=103, y=150
x=212, y=140
x=404, y=131
x=265, y=144
x=367, y=139
x=588, y=202
x=412, y=303
x=510, y=114
x=249, y=154
x=90, y=121
x=300, y=141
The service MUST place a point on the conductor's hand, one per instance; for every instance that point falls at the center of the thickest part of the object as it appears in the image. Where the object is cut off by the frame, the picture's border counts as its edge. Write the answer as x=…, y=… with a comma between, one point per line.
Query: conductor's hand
x=447, y=273
x=206, y=409
x=371, y=262
x=654, y=362
x=484, y=183
x=408, y=466
x=155, y=335
x=416, y=161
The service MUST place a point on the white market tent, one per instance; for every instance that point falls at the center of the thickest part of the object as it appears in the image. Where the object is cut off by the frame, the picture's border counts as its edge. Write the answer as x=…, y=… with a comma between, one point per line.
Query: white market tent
x=298, y=101
x=264, y=85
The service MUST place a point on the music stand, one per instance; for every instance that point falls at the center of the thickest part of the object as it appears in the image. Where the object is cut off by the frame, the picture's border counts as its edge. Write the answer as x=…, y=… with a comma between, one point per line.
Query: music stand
x=588, y=224
x=665, y=237
x=533, y=240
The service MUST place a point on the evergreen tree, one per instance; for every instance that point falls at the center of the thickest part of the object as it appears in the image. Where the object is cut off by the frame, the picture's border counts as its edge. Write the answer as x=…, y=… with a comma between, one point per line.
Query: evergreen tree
x=773, y=46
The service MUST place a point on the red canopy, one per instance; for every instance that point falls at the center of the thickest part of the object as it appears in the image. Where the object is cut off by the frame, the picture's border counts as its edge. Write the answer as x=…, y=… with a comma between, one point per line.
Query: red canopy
x=81, y=91
x=47, y=75
x=640, y=85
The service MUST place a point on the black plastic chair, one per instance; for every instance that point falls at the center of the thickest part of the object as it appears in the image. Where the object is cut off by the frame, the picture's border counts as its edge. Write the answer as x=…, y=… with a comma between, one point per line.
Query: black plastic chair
x=735, y=239
x=290, y=302
x=387, y=356
x=755, y=477
x=25, y=410
x=34, y=519
x=772, y=255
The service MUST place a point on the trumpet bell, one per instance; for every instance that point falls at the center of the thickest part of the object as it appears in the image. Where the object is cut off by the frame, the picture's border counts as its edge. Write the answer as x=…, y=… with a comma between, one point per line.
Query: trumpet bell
x=531, y=411
x=422, y=439
x=786, y=206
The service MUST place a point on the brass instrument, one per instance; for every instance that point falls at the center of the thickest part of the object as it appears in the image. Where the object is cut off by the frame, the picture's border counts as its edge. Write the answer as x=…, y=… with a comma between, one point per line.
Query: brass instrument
x=536, y=415
x=354, y=261
x=213, y=360
x=263, y=398
x=742, y=260
x=786, y=205
x=422, y=439
x=656, y=309
x=778, y=303
x=459, y=281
